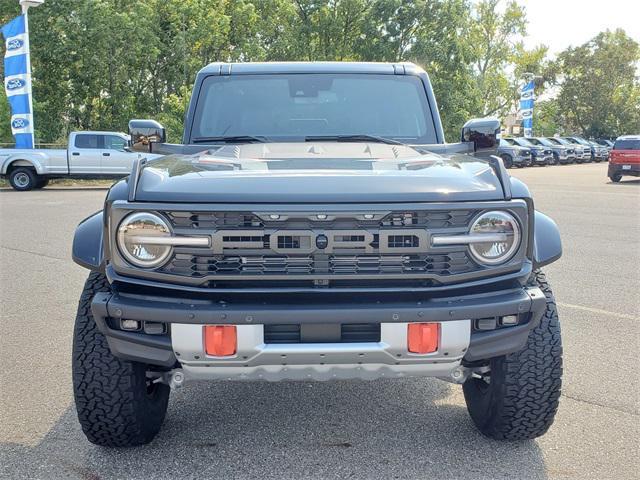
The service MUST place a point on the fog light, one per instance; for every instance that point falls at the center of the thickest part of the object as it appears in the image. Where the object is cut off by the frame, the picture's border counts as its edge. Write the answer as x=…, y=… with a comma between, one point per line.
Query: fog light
x=509, y=320
x=486, y=323
x=154, y=328
x=129, y=324
x=220, y=340
x=423, y=337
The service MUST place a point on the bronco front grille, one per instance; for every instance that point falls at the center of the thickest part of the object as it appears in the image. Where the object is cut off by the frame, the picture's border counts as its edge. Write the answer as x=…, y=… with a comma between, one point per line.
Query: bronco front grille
x=334, y=247
x=319, y=245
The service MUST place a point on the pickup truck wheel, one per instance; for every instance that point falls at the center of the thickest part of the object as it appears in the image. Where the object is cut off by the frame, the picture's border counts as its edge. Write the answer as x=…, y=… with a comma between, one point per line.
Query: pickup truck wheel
x=518, y=399
x=117, y=405
x=507, y=160
x=616, y=178
x=23, y=179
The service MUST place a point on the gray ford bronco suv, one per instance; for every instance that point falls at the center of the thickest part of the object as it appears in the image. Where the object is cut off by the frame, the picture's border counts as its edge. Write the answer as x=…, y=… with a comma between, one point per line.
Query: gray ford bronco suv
x=314, y=225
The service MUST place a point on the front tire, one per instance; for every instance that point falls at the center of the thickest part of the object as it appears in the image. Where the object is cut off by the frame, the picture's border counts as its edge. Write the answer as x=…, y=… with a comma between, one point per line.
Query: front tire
x=117, y=405
x=23, y=179
x=519, y=397
x=507, y=160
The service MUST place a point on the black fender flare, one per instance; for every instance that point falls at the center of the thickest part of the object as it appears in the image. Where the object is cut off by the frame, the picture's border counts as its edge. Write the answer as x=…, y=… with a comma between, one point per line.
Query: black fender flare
x=547, y=245
x=87, y=250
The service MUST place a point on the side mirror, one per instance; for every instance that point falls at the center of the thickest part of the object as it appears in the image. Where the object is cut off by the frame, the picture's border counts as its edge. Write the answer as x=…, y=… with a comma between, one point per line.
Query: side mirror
x=485, y=135
x=144, y=133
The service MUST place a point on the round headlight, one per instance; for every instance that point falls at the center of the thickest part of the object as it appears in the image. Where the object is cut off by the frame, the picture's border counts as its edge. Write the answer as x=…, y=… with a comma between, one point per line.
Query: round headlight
x=140, y=239
x=503, y=237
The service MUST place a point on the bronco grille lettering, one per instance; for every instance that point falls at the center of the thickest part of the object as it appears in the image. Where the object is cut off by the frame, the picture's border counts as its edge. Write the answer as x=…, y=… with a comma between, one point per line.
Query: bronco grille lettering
x=306, y=241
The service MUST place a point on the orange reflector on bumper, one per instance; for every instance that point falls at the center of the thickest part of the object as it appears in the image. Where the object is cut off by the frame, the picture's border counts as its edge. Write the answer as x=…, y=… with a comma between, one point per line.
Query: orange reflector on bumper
x=423, y=337
x=220, y=340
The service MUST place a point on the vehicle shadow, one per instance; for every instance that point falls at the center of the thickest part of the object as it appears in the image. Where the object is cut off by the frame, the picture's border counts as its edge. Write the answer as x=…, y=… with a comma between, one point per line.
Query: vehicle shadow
x=409, y=428
x=625, y=182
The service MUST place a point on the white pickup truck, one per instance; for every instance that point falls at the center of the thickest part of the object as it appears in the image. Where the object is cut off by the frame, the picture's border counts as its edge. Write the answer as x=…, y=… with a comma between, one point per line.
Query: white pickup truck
x=88, y=155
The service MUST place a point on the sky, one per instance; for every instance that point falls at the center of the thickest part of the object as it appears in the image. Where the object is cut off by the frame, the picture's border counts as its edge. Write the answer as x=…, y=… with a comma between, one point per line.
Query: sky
x=563, y=23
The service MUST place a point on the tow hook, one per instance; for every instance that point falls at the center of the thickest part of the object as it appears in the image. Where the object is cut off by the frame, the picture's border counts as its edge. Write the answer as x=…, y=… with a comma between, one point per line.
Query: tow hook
x=460, y=374
x=176, y=379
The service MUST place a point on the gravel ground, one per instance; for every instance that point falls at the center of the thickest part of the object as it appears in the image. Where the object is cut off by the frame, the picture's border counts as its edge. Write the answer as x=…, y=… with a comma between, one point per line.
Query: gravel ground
x=385, y=429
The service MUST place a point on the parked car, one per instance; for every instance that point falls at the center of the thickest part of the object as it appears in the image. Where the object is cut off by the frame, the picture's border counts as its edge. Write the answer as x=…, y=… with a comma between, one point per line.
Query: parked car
x=561, y=153
x=582, y=153
x=542, y=156
x=594, y=155
x=514, y=155
x=605, y=142
x=88, y=155
x=600, y=152
x=309, y=230
x=624, y=159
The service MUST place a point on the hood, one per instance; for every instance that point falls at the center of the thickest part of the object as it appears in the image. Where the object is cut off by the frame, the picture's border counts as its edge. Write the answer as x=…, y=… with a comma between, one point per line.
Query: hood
x=322, y=172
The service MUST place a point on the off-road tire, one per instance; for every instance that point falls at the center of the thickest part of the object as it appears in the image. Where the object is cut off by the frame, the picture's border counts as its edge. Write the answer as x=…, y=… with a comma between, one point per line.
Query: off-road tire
x=521, y=399
x=23, y=179
x=116, y=405
x=507, y=160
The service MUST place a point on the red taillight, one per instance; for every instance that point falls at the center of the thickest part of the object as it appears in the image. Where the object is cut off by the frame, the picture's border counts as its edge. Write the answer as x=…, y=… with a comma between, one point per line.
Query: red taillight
x=220, y=340
x=423, y=337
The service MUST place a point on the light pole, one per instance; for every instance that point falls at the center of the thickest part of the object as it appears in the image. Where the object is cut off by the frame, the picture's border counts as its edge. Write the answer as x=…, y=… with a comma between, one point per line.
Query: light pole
x=25, y=4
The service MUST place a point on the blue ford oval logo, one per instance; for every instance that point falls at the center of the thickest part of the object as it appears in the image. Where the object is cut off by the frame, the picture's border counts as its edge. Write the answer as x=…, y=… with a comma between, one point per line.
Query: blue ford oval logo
x=14, y=44
x=15, y=84
x=20, y=123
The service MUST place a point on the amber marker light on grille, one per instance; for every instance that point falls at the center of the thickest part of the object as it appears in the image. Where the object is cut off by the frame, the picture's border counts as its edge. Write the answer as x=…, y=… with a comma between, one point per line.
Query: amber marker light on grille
x=220, y=340
x=423, y=337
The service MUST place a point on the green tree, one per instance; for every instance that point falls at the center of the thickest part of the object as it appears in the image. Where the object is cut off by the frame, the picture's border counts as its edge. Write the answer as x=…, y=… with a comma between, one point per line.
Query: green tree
x=600, y=93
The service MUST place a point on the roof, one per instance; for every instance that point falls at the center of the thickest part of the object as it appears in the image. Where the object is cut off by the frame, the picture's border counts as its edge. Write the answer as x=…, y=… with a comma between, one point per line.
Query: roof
x=628, y=137
x=311, y=67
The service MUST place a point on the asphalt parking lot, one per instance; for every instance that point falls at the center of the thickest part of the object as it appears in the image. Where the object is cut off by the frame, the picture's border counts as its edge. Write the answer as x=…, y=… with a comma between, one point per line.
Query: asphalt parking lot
x=403, y=429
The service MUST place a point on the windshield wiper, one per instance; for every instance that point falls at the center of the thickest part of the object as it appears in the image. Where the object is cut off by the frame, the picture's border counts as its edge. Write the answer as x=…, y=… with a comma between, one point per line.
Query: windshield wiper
x=351, y=138
x=232, y=139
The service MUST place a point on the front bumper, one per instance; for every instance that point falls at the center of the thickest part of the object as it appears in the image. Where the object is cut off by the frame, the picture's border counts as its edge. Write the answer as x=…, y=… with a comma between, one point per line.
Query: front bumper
x=460, y=342
x=543, y=159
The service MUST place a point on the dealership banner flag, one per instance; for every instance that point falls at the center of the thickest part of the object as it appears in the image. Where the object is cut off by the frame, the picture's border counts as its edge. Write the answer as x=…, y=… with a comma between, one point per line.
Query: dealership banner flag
x=526, y=108
x=17, y=80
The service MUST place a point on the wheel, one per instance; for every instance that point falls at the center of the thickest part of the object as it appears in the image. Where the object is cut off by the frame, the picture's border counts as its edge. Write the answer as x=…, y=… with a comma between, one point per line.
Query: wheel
x=23, y=179
x=508, y=161
x=117, y=405
x=616, y=178
x=518, y=398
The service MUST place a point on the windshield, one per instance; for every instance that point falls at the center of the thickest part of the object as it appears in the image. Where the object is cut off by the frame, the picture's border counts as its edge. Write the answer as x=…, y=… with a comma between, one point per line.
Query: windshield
x=290, y=107
x=578, y=140
x=627, y=144
x=523, y=142
x=556, y=141
x=545, y=142
x=535, y=141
